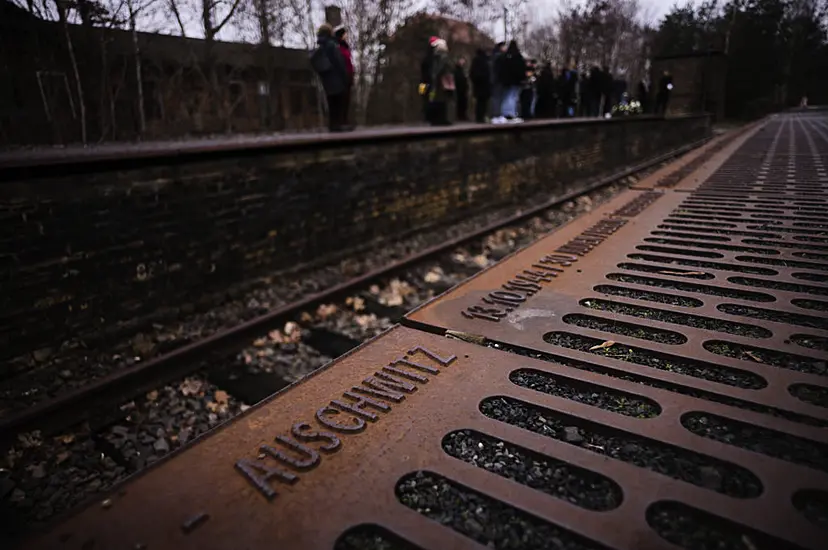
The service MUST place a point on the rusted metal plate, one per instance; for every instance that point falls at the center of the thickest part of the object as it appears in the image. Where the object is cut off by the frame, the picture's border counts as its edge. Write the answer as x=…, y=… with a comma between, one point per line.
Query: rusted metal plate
x=322, y=461
x=716, y=294
x=688, y=171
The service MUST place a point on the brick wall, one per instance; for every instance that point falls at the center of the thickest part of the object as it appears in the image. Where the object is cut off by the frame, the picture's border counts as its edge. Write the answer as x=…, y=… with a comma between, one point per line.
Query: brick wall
x=90, y=251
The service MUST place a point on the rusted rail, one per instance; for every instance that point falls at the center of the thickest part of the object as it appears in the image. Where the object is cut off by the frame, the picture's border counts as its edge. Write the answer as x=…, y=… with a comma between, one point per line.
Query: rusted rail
x=650, y=376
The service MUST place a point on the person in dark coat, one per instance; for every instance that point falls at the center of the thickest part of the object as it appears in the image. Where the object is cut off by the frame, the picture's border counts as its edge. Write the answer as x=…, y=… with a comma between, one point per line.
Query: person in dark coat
x=547, y=94
x=442, y=84
x=341, y=35
x=567, y=92
x=643, y=95
x=607, y=91
x=461, y=90
x=665, y=88
x=481, y=84
x=425, y=78
x=512, y=73
x=593, y=93
x=328, y=62
x=495, y=63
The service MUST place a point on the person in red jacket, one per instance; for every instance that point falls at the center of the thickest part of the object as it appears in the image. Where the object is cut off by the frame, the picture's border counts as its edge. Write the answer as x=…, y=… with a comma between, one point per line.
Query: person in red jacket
x=342, y=37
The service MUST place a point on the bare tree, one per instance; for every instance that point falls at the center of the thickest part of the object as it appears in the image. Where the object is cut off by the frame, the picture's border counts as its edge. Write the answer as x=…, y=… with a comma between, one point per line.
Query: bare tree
x=70, y=48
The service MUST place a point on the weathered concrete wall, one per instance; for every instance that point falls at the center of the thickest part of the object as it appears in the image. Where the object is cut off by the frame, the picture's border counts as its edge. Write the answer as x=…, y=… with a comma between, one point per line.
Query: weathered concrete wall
x=89, y=251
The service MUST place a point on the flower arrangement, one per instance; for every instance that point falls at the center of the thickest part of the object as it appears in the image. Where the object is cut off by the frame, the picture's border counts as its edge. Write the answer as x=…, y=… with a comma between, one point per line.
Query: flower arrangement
x=626, y=109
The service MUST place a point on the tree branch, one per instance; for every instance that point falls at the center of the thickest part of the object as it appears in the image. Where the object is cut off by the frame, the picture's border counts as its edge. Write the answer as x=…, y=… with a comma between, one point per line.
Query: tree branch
x=174, y=7
x=229, y=16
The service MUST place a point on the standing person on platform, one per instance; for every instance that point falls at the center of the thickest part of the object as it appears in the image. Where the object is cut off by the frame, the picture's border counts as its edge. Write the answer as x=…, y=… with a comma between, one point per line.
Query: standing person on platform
x=497, y=88
x=512, y=74
x=461, y=92
x=342, y=38
x=442, y=84
x=665, y=88
x=643, y=94
x=481, y=85
x=545, y=106
x=425, y=78
x=327, y=61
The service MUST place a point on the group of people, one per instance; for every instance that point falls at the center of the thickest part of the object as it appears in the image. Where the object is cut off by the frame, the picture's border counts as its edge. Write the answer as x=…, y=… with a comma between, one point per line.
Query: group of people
x=508, y=88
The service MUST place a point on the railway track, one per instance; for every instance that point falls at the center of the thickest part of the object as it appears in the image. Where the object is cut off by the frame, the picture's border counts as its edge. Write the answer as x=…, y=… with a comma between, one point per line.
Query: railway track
x=337, y=329
x=65, y=449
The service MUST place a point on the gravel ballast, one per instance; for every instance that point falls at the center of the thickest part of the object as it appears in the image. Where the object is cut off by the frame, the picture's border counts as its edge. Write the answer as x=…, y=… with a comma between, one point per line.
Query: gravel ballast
x=769, y=357
x=777, y=285
x=647, y=296
x=709, y=290
x=693, y=529
x=787, y=447
x=625, y=329
x=648, y=358
x=813, y=504
x=815, y=395
x=676, y=318
x=675, y=462
x=775, y=316
x=593, y=395
x=554, y=477
x=488, y=521
x=372, y=537
x=703, y=265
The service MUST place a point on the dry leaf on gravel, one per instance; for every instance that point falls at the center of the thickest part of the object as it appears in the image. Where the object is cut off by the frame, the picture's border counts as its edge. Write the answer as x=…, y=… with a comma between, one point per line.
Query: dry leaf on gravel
x=212, y=406
x=324, y=311
x=260, y=342
x=306, y=317
x=481, y=260
x=754, y=356
x=356, y=303
x=190, y=386
x=61, y=457
x=605, y=345
x=67, y=439
x=152, y=396
x=432, y=277
x=276, y=336
x=221, y=396
x=293, y=332
x=466, y=337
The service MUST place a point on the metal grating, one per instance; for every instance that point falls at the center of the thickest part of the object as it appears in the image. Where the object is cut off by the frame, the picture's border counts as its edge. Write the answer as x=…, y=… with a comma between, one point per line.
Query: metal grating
x=651, y=376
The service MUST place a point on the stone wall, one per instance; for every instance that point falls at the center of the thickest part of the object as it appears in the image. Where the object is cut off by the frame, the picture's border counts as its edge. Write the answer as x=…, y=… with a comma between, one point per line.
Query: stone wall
x=90, y=247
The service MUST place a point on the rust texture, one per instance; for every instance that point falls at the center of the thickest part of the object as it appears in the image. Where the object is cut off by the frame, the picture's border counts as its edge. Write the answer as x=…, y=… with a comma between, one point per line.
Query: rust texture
x=662, y=357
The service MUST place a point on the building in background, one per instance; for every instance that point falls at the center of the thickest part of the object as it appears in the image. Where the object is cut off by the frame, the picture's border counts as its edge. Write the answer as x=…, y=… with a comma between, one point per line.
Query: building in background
x=699, y=81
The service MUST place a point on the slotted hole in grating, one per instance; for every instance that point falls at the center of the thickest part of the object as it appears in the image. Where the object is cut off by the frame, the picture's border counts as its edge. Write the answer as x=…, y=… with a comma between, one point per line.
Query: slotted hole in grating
x=783, y=263
x=594, y=395
x=766, y=356
x=657, y=297
x=811, y=224
x=712, y=246
x=662, y=458
x=783, y=244
x=673, y=317
x=758, y=439
x=660, y=270
x=814, y=277
x=682, y=251
x=688, y=222
x=691, y=287
x=800, y=234
x=372, y=537
x=484, y=519
x=625, y=329
x=674, y=218
x=812, y=342
x=811, y=256
x=811, y=239
x=777, y=285
x=660, y=384
x=702, y=264
x=776, y=316
x=715, y=238
x=810, y=393
x=721, y=231
x=817, y=305
x=661, y=361
x=694, y=529
x=813, y=504
x=576, y=485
